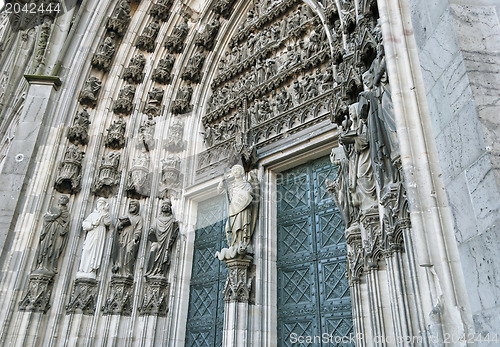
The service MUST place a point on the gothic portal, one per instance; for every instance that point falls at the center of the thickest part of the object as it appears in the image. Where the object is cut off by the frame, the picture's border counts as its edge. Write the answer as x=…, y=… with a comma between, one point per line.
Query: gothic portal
x=249, y=173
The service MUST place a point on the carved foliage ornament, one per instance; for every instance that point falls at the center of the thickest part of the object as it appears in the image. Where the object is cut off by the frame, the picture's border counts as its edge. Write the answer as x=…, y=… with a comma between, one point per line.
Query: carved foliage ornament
x=119, y=20
x=146, y=41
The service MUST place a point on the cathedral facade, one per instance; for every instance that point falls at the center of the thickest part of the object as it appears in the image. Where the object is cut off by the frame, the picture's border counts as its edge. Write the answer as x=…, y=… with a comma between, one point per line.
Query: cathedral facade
x=249, y=173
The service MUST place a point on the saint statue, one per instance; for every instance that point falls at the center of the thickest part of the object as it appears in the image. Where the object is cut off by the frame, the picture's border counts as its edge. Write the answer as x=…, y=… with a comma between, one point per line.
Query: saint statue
x=128, y=236
x=242, y=197
x=162, y=236
x=93, y=247
x=53, y=236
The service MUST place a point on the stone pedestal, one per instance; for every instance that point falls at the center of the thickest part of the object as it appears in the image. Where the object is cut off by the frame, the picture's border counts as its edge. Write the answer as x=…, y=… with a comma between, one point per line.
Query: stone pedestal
x=237, y=297
x=120, y=297
x=37, y=295
x=155, y=301
x=83, y=297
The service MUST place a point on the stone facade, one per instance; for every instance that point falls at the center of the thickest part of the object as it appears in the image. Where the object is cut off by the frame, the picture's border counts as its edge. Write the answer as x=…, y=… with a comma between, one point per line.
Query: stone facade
x=120, y=120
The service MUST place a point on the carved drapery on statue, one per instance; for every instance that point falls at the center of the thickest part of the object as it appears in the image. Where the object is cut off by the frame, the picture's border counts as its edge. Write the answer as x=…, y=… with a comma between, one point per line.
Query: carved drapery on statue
x=162, y=236
x=243, y=205
x=95, y=226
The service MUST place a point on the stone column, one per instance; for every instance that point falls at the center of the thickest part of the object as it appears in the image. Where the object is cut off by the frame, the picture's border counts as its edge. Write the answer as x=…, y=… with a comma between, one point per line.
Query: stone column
x=237, y=296
x=22, y=152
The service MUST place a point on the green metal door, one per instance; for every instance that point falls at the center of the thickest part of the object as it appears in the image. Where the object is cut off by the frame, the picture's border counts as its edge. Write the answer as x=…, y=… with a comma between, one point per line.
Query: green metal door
x=313, y=293
x=206, y=303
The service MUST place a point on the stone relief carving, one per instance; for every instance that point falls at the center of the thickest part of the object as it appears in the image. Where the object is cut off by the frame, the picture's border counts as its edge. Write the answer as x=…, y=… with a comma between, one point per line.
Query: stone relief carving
x=207, y=38
x=146, y=134
x=78, y=133
x=103, y=57
x=108, y=175
x=134, y=72
x=124, y=105
x=192, y=71
x=238, y=282
x=242, y=196
x=175, y=141
x=171, y=176
x=41, y=46
x=69, y=176
x=224, y=7
x=128, y=231
x=162, y=236
x=161, y=10
x=146, y=41
x=95, y=226
x=182, y=103
x=119, y=20
x=162, y=74
x=88, y=95
x=175, y=42
x=153, y=105
x=139, y=177
x=115, y=137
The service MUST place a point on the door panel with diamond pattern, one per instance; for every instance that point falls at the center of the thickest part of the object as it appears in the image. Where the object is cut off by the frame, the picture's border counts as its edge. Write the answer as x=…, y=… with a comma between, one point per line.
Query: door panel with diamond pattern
x=313, y=293
x=206, y=305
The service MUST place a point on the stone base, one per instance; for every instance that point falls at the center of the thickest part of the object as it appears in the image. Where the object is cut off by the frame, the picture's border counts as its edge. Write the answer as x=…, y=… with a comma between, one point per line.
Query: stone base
x=120, y=298
x=83, y=297
x=155, y=301
x=37, y=295
x=238, y=283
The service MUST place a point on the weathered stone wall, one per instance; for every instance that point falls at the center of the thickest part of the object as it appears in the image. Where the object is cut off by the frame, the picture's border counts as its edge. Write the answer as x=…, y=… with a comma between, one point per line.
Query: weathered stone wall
x=458, y=45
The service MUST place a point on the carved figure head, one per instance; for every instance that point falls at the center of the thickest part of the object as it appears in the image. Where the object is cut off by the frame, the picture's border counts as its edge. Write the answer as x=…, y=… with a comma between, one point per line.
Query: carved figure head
x=166, y=206
x=133, y=207
x=237, y=171
x=63, y=200
x=102, y=205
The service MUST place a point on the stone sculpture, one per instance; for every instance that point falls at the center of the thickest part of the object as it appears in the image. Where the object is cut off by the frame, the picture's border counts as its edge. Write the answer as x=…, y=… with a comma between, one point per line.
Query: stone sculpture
x=153, y=105
x=175, y=142
x=171, y=176
x=162, y=237
x=182, y=103
x=192, y=71
x=108, y=175
x=139, y=177
x=78, y=133
x=95, y=225
x=146, y=41
x=162, y=74
x=104, y=56
x=242, y=197
x=69, y=177
x=90, y=91
x=53, y=236
x=128, y=236
x=124, y=105
x=207, y=38
x=133, y=73
x=146, y=134
x=175, y=42
x=119, y=20
x=161, y=10
x=115, y=137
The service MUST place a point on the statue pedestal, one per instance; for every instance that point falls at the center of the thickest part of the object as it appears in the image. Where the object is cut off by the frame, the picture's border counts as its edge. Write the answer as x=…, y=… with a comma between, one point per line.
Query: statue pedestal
x=120, y=298
x=237, y=297
x=155, y=302
x=37, y=296
x=83, y=297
